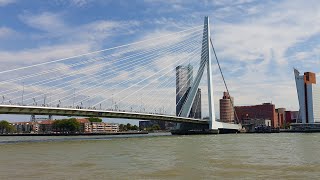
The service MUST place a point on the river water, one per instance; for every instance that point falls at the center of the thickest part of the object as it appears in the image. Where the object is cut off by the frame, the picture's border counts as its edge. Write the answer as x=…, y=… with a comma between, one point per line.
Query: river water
x=230, y=156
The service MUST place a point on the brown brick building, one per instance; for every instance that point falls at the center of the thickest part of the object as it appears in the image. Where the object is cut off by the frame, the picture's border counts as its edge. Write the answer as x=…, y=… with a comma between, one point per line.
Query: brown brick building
x=281, y=116
x=262, y=111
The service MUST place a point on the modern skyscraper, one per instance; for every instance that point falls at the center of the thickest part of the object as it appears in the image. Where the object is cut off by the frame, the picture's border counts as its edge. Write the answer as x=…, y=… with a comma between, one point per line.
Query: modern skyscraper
x=184, y=80
x=184, y=77
x=226, y=108
x=196, y=106
x=308, y=96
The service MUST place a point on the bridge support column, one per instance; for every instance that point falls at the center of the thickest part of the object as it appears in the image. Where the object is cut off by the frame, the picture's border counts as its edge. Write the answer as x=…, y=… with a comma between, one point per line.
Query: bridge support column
x=205, y=62
x=206, y=47
x=33, y=118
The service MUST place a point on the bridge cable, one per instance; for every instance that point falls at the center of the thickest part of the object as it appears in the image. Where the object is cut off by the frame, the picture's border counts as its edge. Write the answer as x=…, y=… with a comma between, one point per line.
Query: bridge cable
x=81, y=63
x=168, y=84
x=114, y=69
x=83, y=80
x=46, y=81
x=116, y=84
x=164, y=99
x=140, y=82
x=94, y=52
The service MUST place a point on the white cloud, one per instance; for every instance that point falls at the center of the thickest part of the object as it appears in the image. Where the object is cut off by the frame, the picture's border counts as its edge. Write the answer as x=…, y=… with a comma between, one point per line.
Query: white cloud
x=75, y=3
x=42, y=54
x=70, y=40
x=253, y=40
x=54, y=26
x=6, y=2
x=80, y=2
x=6, y=32
x=48, y=22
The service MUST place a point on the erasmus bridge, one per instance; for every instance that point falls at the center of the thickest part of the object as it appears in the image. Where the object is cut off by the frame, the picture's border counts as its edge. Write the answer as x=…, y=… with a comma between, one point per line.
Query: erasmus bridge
x=131, y=81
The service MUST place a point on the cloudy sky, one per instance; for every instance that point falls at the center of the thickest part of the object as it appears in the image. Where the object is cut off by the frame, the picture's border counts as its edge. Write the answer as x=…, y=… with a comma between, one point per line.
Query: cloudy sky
x=258, y=42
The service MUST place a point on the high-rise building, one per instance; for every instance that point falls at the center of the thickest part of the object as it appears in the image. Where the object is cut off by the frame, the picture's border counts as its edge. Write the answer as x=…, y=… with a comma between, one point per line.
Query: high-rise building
x=184, y=79
x=195, y=111
x=184, y=76
x=308, y=96
x=226, y=108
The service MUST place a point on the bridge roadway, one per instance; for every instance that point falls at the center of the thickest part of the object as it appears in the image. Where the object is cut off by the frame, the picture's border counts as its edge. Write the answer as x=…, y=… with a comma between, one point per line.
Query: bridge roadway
x=58, y=111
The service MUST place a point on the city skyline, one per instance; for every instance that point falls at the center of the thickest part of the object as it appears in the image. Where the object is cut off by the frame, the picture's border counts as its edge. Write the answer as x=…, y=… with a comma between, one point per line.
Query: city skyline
x=159, y=89
x=257, y=69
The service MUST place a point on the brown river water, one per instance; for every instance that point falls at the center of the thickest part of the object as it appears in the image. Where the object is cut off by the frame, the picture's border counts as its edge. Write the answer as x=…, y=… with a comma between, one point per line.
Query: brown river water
x=162, y=156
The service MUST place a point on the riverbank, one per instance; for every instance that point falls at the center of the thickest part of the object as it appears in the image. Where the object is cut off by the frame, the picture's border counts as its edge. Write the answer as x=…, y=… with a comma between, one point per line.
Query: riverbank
x=79, y=134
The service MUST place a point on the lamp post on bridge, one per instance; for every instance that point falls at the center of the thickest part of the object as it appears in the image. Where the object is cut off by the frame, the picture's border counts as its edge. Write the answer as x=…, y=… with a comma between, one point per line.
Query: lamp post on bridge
x=49, y=103
x=89, y=102
x=34, y=101
x=44, y=99
x=74, y=96
x=112, y=102
x=115, y=106
x=22, y=93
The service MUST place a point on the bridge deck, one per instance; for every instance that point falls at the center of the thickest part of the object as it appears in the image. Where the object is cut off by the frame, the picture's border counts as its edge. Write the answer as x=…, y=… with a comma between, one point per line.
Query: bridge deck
x=37, y=110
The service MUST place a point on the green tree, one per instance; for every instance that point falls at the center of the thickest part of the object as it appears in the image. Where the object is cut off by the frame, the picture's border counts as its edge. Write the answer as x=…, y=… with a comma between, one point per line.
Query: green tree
x=135, y=127
x=11, y=129
x=67, y=125
x=156, y=127
x=129, y=126
x=95, y=119
x=121, y=127
x=6, y=127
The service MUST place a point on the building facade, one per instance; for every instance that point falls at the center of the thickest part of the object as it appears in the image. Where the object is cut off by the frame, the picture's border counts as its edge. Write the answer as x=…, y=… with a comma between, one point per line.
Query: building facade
x=46, y=126
x=226, y=108
x=101, y=127
x=262, y=111
x=195, y=111
x=292, y=117
x=184, y=79
x=26, y=127
x=85, y=125
x=281, y=116
x=308, y=96
x=257, y=122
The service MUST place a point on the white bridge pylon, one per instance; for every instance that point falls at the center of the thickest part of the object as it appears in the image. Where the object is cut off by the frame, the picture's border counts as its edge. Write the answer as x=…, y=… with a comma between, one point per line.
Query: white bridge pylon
x=205, y=63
